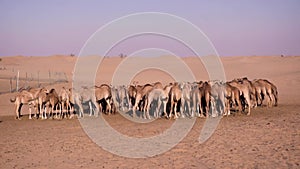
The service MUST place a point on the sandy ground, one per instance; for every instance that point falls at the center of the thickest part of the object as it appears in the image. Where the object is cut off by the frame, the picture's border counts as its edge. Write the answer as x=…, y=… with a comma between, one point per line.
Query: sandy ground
x=269, y=138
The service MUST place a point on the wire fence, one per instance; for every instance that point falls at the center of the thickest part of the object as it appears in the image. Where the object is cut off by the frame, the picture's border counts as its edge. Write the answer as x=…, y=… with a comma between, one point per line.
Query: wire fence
x=17, y=80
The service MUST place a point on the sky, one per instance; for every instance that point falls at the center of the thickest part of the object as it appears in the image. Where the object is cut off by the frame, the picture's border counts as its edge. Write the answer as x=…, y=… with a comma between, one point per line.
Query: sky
x=235, y=28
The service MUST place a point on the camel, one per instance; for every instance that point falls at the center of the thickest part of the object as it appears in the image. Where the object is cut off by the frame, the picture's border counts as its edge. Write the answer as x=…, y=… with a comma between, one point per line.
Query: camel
x=274, y=91
x=120, y=97
x=186, y=98
x=174, y=97
x=24, y=97
x=76, y=99
x=260, y=92
x=84, y=95
x=160, y=95
x=245, y=92
x=88, y=96
x=205, y=89
x=64, y=99
x=217, y=98
x=232, y=95
x=248, y=83
x=201, y=96
x=33, y=102
x=42, y=99
x=53, y=102
x=132, y=91
x=196, y=96
x=264, y=88
x=141, y=97
x=104, y=97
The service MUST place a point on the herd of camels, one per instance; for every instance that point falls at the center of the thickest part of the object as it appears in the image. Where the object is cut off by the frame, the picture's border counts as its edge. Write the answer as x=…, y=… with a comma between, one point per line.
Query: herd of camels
x=184, y=99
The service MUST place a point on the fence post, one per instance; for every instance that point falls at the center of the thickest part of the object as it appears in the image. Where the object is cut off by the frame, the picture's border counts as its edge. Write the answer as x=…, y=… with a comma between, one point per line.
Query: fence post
x=26, y=82
x=50, y=77
x=17, y=87
x=66, y=78
x=38, y=78
x=10, y=82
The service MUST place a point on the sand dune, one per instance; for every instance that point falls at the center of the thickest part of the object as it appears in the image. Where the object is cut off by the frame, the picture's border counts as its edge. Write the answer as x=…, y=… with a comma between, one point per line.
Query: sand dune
x=269, y=138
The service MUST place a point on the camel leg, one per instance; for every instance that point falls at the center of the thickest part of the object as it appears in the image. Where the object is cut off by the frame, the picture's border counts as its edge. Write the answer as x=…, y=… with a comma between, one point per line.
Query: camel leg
x=80, y=113
x=148, y=108
x=40, y=111
x=144, y=107
x=175, y=110
x=223, y=105
x=238, y=102
x=249, y=104
x=182, y=107
x=46, y=111
x=171, y=110
x=158, y=108
x=165, y=108
x=90, y=106
x=71, y=109
x=97, y=111
x=227, y=109
x=194, y=109
x=189, y=108
x=136, y=104
x=271, y=101
x=18, y=108
x=60, y=112
x=108, y=107
x=200, y=108
x=30, y=110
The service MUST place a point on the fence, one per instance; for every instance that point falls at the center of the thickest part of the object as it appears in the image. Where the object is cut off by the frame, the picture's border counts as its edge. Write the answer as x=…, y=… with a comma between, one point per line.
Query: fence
x=18, y=80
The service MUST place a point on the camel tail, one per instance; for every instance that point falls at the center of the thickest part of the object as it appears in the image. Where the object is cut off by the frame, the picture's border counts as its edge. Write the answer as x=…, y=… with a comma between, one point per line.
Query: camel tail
x=13, y=100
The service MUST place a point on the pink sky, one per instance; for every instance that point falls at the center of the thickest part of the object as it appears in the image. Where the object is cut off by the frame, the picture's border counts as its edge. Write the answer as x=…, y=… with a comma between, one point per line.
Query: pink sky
x=41, y=28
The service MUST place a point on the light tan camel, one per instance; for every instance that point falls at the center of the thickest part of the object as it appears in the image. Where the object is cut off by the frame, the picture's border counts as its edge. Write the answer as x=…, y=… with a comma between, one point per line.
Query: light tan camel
x=217, y=98
x=65, y=102
x=174, y=97
x=232, y=96
x=264, y=89
x=160, y=95
x=201, y=97
x=53, y=103
x=186, y=99
x=104, y=97
x=23, y=97
x=141, y=97
x=245, y=92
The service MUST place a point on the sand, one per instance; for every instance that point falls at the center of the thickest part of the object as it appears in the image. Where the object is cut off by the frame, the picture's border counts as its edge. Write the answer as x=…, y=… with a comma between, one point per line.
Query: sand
x=269, y=138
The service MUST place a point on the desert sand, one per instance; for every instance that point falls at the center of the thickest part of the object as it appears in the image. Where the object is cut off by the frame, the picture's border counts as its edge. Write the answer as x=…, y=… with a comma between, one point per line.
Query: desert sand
x=268, y=138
